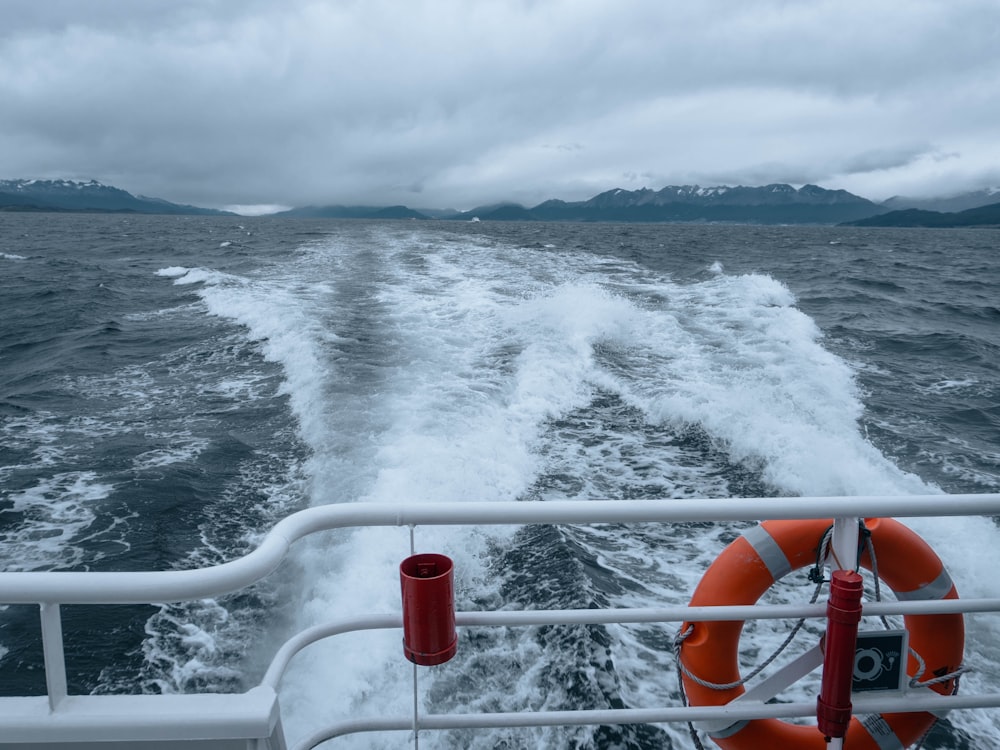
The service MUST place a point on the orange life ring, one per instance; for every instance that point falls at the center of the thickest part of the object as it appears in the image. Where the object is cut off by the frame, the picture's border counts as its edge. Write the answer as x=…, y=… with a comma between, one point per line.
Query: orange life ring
x=762, y=555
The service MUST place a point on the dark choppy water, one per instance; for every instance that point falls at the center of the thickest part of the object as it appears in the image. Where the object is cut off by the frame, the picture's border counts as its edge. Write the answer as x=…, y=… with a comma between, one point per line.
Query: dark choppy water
x=170, y=387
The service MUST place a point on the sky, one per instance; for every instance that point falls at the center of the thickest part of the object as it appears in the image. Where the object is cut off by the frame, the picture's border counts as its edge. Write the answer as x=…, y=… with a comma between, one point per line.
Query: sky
x=460, y=103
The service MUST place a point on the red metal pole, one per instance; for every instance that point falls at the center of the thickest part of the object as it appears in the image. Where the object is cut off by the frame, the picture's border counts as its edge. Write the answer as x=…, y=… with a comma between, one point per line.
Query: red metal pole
x=843, y=613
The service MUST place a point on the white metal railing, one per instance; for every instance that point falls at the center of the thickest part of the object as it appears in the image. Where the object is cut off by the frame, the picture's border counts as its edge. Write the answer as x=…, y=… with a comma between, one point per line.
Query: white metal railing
x=51, y=589
x=920, y=702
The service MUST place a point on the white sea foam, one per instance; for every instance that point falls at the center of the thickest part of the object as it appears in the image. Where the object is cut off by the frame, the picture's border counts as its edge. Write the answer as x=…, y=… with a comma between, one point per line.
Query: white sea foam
x=195, y=275
x=733, y=356
x=943, y=386
x=12, y=256
x=185, y=652
x=172, y=271
x=55, y=513
x=183, y=447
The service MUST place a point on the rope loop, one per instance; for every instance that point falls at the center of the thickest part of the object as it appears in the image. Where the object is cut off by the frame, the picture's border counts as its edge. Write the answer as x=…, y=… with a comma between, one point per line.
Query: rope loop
x=916, y=683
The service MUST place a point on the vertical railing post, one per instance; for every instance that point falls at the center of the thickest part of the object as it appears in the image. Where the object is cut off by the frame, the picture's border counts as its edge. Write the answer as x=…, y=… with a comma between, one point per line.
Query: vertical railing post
x=416, y=714
x=52, y=649
x=844, y=545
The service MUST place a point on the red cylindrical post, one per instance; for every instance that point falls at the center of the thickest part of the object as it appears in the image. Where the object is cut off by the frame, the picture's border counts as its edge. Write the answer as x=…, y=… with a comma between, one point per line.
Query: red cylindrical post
x=428, y=586
x=843, y=613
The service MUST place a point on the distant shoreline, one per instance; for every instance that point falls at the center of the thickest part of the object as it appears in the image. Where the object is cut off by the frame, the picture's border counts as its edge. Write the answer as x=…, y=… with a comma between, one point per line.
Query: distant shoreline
x=776, y=204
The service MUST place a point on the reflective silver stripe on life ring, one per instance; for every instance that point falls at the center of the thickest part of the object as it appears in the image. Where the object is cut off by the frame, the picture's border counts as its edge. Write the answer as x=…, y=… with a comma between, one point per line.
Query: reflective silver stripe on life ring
x=768, y=551
x=881, y=732
x=729, y=731
x=936, y=589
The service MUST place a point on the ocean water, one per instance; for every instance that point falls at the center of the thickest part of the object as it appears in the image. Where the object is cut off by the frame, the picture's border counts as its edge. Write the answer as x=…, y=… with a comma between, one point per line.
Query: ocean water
x=171, y=387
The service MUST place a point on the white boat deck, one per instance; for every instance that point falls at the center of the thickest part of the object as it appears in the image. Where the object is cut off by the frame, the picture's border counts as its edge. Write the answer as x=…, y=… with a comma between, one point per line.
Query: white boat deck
x=247, y=721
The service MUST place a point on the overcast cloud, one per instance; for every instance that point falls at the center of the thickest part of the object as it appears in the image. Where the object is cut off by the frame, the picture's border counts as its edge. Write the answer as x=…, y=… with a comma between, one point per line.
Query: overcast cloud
x=454, y=103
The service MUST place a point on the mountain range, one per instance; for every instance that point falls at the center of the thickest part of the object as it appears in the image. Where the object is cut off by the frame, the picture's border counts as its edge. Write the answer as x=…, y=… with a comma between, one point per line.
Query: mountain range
x=768, y=204
x=68, y=195
x=954, y=203
x=915, y=217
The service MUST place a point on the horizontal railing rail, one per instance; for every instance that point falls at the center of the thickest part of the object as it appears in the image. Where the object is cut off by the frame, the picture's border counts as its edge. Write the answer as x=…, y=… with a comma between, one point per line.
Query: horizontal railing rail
x=35, y=587
x=731, y=712
x=50, y=589
x=621, y=616
x=920, y=701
